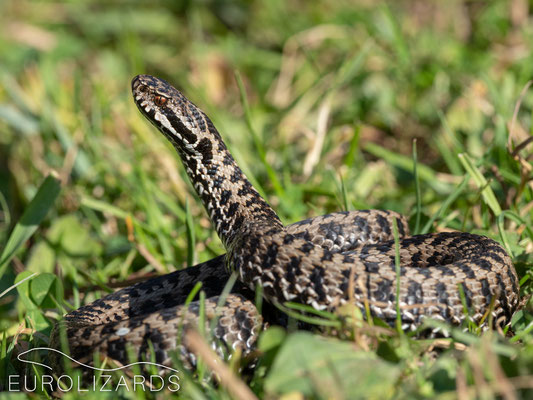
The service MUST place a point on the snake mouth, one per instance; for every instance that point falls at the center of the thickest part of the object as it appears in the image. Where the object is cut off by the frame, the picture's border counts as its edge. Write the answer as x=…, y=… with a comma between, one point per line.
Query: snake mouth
x=141, y=91
x=140, y=85
x=135, y=82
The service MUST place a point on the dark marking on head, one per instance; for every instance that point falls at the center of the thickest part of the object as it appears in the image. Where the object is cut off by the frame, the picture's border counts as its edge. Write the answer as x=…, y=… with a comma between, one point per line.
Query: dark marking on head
x=205, y=148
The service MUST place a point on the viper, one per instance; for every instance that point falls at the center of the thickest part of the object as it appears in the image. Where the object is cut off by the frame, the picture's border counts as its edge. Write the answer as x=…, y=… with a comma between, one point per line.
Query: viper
x=323, y=262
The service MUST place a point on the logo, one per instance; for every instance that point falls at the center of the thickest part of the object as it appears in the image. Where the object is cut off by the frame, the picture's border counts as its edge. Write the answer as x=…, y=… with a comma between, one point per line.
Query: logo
x=100, y=381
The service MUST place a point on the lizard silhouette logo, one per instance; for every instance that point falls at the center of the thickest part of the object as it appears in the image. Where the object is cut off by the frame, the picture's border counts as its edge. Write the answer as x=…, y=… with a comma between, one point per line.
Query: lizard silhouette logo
x=102, y=382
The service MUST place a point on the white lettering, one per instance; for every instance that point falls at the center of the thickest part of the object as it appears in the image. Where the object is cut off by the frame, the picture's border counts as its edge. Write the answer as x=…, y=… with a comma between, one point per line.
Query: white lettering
x=105, y=383
x=80, y=385
x=122, y=382
x=59, y=385
x=28, y=389
x=135, y=383
x=10, y=388
x=47, y=380
x=176, y=383
x=152, y=384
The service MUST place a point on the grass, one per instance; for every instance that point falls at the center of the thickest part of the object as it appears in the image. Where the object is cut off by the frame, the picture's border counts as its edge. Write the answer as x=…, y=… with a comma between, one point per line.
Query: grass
x=320, y=103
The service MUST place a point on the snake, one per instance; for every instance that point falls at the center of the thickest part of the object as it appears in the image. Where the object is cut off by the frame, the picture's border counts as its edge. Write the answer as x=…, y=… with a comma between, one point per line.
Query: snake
x=364, y=258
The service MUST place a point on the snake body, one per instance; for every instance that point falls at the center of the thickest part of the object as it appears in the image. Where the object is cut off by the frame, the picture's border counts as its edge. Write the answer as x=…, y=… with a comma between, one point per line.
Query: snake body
x=325, y=262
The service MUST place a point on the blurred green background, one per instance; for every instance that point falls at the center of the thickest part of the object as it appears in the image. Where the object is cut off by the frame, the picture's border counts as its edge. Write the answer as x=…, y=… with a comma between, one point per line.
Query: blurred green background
x=318, y=101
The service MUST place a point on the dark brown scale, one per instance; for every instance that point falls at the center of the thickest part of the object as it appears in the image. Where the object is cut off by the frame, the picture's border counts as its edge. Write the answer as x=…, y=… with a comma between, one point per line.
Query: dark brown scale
x=414, y=293
x=384, y=224
x=236, y=176
x=326, y=255
x=225, y=196
x=205, y=147
x=467, y=294
x=384, y=290
x=347, y=259
x=445, y=271
x=372, y=267
x=228, y=160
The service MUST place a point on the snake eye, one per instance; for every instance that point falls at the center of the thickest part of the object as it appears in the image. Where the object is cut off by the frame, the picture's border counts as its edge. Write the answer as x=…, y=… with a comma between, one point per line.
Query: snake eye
x=160, y=101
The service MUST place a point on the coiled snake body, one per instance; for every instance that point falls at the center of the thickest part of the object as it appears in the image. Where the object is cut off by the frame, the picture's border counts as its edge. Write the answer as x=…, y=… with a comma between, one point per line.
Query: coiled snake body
x=324, y=262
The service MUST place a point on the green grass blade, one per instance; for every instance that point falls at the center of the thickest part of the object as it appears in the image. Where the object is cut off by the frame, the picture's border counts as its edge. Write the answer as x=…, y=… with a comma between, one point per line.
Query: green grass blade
x=445, y=205
x=501, y=229
x=191, y=241
x=449, y=146
x=4, y=209
x=298, y=313
x=406, y=163
x=102, y=206
x=354, y=147
x=344, y=193
x=305, y=308
x=417, y=188
x=481, y=183
x=193, y=293
x=23, y=123
x=30, y=220
x=257, y=143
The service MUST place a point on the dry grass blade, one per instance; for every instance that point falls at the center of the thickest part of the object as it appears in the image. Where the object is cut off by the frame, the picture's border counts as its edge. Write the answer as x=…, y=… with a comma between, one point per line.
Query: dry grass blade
x=228, y=379
x=515, y=115
x=313, y=156
x=151, y=259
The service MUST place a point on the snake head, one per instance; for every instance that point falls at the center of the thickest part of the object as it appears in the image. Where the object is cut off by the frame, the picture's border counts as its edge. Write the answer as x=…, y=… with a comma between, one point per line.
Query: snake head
x=182, y=122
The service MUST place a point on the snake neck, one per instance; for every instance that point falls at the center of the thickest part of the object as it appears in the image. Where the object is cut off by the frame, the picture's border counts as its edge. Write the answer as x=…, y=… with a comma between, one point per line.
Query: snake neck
x=227, y=195
x=229, y=198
